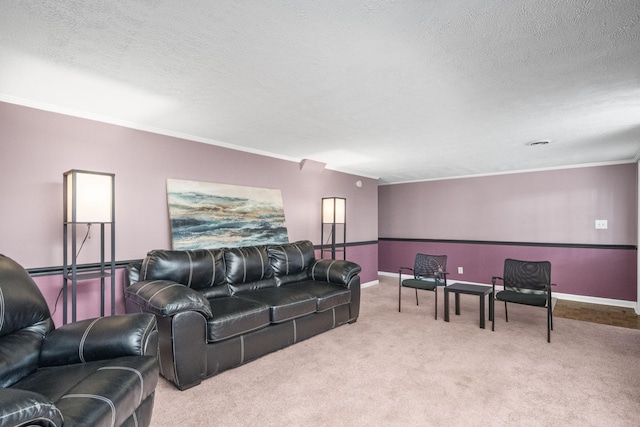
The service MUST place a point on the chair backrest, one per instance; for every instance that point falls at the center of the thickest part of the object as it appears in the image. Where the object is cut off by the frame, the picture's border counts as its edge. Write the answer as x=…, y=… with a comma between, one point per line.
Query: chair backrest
x=24, y=322
x=527, y=276
x=430, y=266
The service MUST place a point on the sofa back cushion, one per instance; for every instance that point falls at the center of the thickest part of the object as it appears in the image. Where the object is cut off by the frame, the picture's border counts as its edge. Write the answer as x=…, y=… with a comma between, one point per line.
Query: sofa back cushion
x=248, y=268
x=24, y=322
x=290, y=262
x=200, y=269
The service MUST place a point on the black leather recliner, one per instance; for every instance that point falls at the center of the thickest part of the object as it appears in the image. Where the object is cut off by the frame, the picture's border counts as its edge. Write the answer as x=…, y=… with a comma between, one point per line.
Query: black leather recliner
x=97, y=372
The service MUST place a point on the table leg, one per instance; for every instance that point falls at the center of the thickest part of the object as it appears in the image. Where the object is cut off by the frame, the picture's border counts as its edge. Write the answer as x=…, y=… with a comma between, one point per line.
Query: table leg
x=446, y=305
x=458, y=303
x=481, y=311
x=491, y=306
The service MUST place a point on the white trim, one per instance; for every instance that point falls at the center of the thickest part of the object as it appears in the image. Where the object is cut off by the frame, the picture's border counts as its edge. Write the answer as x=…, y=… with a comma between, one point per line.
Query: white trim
x=151, y=129
x=584, y=165
x=368, y=284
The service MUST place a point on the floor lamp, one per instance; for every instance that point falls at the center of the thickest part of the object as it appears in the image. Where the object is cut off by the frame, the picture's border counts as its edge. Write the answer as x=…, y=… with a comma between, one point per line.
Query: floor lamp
x=89, y=198
x=334, y=217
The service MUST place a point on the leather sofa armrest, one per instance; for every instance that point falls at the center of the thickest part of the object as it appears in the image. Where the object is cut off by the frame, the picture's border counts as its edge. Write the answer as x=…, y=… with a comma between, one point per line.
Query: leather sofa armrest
x=338, y=272
x=100, y=339
x=166, y=298
x=26, y=408
x=132, y=273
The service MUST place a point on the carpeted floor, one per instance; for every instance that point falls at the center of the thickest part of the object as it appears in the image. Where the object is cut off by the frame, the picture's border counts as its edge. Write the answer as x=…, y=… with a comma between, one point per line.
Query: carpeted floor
x=407, y=369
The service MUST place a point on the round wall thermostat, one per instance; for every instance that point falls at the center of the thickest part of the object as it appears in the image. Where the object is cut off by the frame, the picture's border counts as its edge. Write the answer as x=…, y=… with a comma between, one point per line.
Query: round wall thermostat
x=359, y=183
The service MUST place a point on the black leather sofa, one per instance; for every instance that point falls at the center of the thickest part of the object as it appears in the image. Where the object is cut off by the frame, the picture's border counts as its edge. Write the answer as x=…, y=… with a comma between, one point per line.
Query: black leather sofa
x=99, y=372
x=220, y=308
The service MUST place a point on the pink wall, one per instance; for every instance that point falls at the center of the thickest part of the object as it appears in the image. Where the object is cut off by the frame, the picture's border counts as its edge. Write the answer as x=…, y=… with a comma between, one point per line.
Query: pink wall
x=594, y=272
x=37, y=147
x=557, y=208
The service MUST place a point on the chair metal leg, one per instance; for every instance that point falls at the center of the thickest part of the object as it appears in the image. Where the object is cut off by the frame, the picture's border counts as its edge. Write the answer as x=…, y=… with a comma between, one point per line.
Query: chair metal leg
x=549, y=323
x=399, y=294
x=417, y=297
x=493, y=310
x=506, y=315
x=436, y=301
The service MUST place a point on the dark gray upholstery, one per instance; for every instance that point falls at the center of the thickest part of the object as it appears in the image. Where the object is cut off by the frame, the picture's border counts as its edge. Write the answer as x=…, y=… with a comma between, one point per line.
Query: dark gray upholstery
x=273, y=296
x=95, y=372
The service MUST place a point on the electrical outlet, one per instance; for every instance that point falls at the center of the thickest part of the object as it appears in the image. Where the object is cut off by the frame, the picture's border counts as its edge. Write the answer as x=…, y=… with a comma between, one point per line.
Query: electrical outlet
x=460, y=270
x=601, y=224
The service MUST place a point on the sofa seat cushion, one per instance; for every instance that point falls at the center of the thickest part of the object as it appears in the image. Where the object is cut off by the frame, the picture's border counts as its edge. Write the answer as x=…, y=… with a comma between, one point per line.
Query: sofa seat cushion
x=100, y=393
x=235, y=316
x=286, y=302
x=327, y=295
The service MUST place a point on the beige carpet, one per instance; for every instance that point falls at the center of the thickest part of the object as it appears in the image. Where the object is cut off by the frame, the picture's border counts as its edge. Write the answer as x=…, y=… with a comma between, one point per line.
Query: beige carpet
x=407, y=369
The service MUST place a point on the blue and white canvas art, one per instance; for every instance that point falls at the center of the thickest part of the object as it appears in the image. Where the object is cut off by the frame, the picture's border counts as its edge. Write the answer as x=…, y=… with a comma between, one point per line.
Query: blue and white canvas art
x=209, y=215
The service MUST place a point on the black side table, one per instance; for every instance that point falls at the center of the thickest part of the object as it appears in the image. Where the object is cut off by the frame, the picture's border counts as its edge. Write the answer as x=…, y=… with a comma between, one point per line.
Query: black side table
x=467, y=288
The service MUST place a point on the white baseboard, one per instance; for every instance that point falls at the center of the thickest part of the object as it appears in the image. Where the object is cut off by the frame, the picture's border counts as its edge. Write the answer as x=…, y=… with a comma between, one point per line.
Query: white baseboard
x=371, y=283
x=558, y=295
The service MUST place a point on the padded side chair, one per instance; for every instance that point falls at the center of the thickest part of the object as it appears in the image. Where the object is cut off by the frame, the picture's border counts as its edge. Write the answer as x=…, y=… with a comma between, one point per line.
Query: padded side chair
x=429, y=272
x=528, y=283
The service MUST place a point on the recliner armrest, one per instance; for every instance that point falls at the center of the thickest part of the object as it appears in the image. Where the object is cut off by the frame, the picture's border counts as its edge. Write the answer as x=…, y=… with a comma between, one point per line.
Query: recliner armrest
x=338, y=272
x=166, y=298
x=101, y=338
x=27, y=408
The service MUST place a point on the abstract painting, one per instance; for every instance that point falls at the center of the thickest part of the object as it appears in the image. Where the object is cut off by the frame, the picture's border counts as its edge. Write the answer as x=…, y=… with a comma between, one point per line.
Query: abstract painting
x=208, y=215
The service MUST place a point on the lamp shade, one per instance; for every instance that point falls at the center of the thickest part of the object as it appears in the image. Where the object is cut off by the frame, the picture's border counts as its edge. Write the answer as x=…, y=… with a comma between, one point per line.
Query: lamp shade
x=88, y=196
x=334, y=210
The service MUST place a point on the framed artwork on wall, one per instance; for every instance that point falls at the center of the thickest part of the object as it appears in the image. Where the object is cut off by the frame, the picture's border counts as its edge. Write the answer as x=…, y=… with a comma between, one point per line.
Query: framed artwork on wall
x=209, y=215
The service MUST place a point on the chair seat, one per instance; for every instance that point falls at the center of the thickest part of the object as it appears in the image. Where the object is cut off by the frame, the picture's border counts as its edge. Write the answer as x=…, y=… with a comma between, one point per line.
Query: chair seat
x=538, y=300
x=428, y=285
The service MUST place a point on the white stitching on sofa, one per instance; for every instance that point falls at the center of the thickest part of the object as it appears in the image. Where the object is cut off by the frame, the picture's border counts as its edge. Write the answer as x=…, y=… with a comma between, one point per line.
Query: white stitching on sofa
x=244, y=265
x=329, y=270
x=213, y=267
x=145, y=285
x=83, y=340
x=164, y=289
x=301, y=256
x=36, y=406
x=1, y=309
x=135, y=371
x=190, y=268
x=261, y=263
x=145, y=266
x=146, y=336
x=286, y=258
x=97, y=397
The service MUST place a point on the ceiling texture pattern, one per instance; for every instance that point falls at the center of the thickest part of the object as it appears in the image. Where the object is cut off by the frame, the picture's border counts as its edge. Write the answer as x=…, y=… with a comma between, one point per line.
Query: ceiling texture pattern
x=396, y=90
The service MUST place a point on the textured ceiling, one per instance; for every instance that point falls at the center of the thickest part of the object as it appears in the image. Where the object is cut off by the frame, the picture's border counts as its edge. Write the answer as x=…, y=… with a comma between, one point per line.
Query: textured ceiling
x=395, y=90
